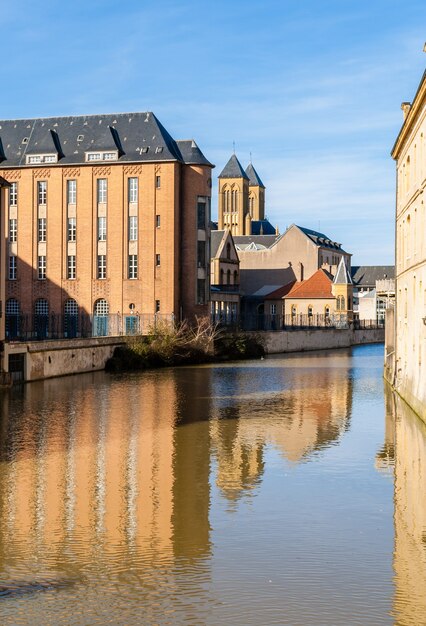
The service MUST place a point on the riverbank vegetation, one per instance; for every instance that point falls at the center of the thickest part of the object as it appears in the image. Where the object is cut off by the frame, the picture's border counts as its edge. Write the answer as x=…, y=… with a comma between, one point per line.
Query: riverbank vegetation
x=183, y=344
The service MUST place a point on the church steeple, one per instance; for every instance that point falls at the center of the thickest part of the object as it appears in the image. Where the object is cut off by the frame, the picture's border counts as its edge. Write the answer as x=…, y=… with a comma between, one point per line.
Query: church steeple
x=343, y=290
x=256, y=194
x=233, y=198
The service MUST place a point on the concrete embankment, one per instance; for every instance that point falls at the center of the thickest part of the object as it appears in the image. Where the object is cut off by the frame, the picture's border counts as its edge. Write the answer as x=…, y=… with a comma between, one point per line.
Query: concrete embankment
x=319, y=339
x=46, y=359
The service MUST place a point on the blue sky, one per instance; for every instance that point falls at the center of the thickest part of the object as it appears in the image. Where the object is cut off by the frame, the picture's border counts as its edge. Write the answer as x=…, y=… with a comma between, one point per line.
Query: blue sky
x=311, y=88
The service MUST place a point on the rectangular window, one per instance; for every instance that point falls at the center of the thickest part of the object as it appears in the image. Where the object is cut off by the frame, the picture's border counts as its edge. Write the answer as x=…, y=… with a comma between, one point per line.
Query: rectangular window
x=72, y=191
x=41, y=267
x=94, y=156
x=12, y=268
x=157, y=260
x=133, y=228
x=71, y=267
x=133, y=265
x=157, y=221
x=13, y=230
x=273, y=309
x=201, y=291
x=201, y=214
x=158, y=182
x=42, y=192
x=157, y=306
x=133, y=189
x=102, y=190
x=101, y=266
x=72, y=229
x=41, y=230
x=201, y=253
x=102, y=226
x=13, y=194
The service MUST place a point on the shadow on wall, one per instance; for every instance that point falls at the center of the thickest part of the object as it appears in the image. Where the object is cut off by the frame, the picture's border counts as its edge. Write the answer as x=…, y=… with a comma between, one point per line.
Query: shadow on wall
x=46, y=310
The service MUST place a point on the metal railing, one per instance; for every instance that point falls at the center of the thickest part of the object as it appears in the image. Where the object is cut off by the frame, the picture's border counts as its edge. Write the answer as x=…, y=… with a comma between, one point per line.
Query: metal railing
x=54, y=326
x=269, y=322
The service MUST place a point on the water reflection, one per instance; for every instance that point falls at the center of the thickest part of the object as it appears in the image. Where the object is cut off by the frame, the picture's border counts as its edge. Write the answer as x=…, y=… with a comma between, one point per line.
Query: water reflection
x=127, y=488
x=298, y=415
x=410, y=513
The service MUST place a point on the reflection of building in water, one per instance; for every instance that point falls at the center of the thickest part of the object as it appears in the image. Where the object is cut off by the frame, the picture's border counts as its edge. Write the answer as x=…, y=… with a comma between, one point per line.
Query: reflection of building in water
x=410, y=517
x=385, y=457
x=103, y=472
x=298, y=421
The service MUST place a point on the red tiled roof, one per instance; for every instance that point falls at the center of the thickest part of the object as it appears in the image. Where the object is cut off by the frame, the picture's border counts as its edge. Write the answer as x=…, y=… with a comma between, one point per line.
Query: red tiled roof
x=317, y=286
x=280, y=292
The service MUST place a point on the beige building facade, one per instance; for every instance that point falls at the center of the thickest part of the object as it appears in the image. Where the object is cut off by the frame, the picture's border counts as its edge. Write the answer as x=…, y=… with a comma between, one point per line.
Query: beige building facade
x=107, y=225
x=224, y=278
x=406, y=367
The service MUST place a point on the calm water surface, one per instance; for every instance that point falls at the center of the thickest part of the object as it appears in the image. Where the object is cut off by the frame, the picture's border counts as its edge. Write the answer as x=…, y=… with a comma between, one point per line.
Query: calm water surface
x=257, y=493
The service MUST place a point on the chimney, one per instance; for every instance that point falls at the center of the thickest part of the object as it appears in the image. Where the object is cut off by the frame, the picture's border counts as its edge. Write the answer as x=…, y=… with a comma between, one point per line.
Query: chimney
x=406, y=106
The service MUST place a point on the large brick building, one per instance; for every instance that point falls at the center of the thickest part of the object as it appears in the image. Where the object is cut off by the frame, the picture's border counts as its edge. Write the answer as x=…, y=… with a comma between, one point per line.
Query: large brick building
x=107, y=219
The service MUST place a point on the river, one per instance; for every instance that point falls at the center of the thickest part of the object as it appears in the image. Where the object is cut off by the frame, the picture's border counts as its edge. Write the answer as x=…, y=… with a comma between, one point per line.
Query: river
x=253, y=493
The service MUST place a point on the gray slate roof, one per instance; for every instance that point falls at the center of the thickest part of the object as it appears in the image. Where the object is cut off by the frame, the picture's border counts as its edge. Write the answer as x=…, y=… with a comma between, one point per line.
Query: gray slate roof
x=233, y=169
x=366, y=275
x=320, y=239
x=343, y=276
x=216, y=237
x=253, y=176
x=137, y=137
x=262, y=225
x=242, y=241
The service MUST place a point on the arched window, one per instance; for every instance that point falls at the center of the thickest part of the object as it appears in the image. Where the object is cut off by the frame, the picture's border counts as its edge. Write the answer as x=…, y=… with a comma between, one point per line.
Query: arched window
x=228, y=277
x=221, y=277
x=342, y=303
x=100, y=318
x=41, y=318
x=310, y=311
x=12, y=318
x=226, y=200
x=327, y=311
x=251, y=204
x=70, y=318
x=235, y=277
x=293, y=310
x=228, y=250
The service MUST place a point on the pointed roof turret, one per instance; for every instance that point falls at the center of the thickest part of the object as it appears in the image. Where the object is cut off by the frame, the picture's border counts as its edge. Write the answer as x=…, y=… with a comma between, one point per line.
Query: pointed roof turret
x=254, y=177
x=343, y=276
x=233, y=169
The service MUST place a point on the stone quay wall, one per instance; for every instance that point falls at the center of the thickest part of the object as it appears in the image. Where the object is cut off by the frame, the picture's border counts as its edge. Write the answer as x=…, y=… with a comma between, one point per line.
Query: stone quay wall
x=319, y=339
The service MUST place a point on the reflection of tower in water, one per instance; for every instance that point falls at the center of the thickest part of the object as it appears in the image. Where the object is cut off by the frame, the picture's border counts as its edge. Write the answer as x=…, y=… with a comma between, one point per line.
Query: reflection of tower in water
x=410, y=513
x=307, y=414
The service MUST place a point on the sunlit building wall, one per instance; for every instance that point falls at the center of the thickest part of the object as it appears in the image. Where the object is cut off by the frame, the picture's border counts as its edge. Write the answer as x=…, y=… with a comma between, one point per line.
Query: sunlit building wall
x=409, y=365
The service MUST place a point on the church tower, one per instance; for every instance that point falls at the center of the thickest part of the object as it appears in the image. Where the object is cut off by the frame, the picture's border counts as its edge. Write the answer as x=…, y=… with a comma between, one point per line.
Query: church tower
x=256, y=194
x=233, y=198
x=343, y=291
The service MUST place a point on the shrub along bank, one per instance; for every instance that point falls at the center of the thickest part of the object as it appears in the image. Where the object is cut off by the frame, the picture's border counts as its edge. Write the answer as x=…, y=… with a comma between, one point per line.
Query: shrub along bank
x=184, y=344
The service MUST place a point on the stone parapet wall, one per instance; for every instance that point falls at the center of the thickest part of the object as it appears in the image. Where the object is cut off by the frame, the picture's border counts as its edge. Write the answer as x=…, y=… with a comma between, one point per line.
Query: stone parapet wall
x=47, y=359
x=319, y=339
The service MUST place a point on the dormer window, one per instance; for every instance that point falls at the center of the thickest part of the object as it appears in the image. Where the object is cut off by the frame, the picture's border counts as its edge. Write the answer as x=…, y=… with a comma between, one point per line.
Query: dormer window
x=34, y=159
x=101, y=156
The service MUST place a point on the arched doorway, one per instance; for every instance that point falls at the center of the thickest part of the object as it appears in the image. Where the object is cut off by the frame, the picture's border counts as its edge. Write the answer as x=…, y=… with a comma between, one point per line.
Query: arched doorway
x=100, y=318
